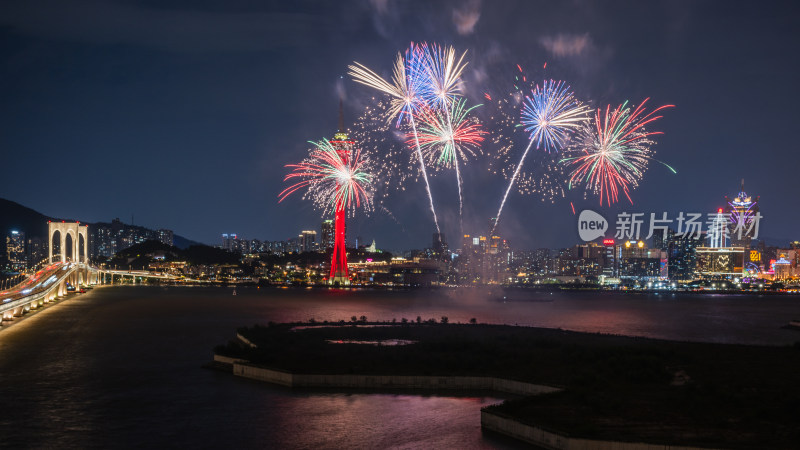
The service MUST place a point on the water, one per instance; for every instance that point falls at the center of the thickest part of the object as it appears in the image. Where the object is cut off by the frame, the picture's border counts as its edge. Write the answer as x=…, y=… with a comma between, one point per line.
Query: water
x=120, y=366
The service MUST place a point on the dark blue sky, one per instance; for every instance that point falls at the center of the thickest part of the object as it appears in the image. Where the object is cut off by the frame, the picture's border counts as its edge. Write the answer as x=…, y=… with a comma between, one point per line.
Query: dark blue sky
x=184, y=113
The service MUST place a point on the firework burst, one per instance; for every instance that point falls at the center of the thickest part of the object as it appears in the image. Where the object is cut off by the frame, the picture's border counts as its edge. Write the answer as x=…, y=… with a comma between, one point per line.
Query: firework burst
x=404, y=89
x=440, y=70
x=613, y=151
x=336, y=179
x=404, y=92
x=443, y=145
x=551, y=113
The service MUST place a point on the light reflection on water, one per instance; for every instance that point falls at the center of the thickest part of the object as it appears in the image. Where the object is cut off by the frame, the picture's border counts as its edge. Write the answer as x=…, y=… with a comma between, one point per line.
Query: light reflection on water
x=121, y=366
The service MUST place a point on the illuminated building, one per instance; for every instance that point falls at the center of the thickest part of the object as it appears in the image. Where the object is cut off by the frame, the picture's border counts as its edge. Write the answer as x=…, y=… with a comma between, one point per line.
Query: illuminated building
x=635, y=260
x=720, y=262
x=782, y=269
x=327, y=235
x=229, y=242
x=339, y=273
x=166, y=237
x=660, y=238
x=484, y=260
x=582, y=260
x=610, y=268
x=741, y=211
x=35, y=250
x=107, y=239
x=682, y=255
x=307, y=240
x=15, y=251
x=718, y=230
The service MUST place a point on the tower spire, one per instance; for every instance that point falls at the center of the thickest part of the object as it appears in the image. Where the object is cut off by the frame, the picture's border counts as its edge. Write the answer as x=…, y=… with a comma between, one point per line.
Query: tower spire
x=341, y=119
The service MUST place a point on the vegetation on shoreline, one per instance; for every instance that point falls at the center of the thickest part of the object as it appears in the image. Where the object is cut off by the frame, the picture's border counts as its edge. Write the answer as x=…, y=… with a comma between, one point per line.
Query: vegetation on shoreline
x=616, y=388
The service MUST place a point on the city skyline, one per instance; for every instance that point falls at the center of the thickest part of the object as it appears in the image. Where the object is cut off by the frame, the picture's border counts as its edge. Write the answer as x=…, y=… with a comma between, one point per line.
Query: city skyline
x=215, y=160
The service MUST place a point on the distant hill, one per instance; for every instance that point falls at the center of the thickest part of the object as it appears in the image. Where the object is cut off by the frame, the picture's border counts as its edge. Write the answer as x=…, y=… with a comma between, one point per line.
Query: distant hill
x=137, y=256
x=184, y=243
x=14, y=216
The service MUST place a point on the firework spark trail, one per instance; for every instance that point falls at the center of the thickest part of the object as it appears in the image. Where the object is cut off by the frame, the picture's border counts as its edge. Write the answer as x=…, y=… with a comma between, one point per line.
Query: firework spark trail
x=442, y=75
x=614, y=151
x=551, y=114
x=405, y=101
x=543, y=173
x=335, y=181
x=511, y=184
x=458, y=175
x=449, y=138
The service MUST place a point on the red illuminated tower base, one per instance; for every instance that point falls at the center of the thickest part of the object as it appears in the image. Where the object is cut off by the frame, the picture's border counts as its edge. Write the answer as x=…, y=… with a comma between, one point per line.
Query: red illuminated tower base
x=339, y=273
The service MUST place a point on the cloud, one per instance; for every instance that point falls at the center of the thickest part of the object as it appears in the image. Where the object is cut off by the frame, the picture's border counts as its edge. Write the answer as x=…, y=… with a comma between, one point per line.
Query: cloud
x=466, y=17
x=567, y=44
x=110, y=22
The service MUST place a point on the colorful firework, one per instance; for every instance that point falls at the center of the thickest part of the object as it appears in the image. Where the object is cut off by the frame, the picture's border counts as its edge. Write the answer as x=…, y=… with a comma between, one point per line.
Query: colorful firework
x=543, y=175
x=337, y=179
x=613, y=151
x=404, y=88
x=405, y=99
x=441, y=146
x=440, y=83
x=550, y=115
x=439, y=74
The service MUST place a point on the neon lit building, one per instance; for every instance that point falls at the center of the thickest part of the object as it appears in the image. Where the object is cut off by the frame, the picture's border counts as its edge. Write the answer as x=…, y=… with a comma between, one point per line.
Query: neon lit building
x=741, y=210
x=339, y=273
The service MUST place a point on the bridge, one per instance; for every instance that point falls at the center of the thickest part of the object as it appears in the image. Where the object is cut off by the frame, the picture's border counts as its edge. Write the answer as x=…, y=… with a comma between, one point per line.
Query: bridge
x=68, y=270
x=59, y=279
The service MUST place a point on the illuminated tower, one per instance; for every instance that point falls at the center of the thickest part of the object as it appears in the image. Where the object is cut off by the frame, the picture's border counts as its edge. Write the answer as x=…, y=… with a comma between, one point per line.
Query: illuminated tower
x=718, y=230
x=339, y=273
x=741, y=212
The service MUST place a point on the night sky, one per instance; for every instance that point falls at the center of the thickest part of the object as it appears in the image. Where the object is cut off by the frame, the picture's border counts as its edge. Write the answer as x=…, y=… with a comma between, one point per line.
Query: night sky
x=183, y=113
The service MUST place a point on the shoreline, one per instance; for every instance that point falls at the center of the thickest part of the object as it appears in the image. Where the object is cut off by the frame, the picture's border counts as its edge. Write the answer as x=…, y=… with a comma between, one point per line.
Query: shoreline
x=492, y=421
x=577, y=389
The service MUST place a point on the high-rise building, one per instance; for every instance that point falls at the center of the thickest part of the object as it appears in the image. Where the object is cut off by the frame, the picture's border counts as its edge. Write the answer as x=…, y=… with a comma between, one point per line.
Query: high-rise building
x=327, y=235
x=229, y=241
x=104, y=241
x=439, y=249
x=682, y=254
x=718, y=230
x=660, y=237
x=15, y=251
x=35, y=250
x=635, y=260
x=742, y=210
x=484, y=260
x=307, y=240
